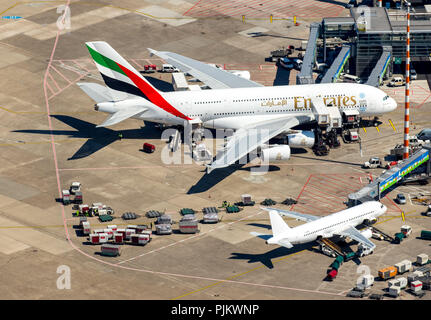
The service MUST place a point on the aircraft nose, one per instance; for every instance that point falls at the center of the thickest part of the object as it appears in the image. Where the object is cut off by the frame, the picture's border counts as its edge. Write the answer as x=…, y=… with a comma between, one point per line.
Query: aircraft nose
x=392, y=104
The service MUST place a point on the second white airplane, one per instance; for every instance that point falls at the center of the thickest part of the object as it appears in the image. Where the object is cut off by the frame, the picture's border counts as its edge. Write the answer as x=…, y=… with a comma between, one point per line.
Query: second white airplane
x=233, y=103
x=341, y=223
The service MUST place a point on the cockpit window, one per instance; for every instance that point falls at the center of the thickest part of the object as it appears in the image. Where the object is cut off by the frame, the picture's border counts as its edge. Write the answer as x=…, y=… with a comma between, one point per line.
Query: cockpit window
x=385, y=98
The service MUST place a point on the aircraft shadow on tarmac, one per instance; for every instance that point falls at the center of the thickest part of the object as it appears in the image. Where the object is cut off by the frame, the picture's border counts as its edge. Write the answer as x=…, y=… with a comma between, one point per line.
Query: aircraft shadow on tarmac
x=267, y=257
x=98, y=138
x=207, y=181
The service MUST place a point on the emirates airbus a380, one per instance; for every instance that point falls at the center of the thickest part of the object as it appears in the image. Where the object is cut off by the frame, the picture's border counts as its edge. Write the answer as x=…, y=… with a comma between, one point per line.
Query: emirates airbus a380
x=232, y=103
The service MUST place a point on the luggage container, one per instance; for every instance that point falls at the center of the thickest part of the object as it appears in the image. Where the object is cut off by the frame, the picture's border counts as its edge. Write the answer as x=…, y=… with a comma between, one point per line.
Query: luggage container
x=75, y=187
x=148, y=148
x=98, y=230
x=163, y=229
x=65, y=196
x=142, y=228
x=118, y=238
x=387, y=273
x=122, y=231
x=105, y=218
x=335, y=265
x=129, y=232
x=414, y=276
x=86, y=228
x=81, y=221
x=399, y=237
x=111, y=250
x=186, y=211
x=403, y=266
x=394, y=291
x=103, y=237
x=164, y=219
x=84, y=209
x=393, y=282
x=426, y=234
x=109, y=232
x=406, y=230
x=246, y=200
x=78, y=197
x=366, y=281
x=188, y=224
x=332, y=274
x=113, y=227
x=422, y=259
x=95, y=238
x=416, y=286
x=132, y=226
x=402, y=282
x=140, y=239
x=232, y=209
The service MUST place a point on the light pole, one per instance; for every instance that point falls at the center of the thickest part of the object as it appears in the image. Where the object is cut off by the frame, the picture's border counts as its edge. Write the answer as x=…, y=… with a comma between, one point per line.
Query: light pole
x=407, y=95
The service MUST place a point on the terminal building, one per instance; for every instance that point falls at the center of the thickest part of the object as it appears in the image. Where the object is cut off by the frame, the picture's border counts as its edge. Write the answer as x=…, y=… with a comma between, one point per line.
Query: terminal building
x=370, y=44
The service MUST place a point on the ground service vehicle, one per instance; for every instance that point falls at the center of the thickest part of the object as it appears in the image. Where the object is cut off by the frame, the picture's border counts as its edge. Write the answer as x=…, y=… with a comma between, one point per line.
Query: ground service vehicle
x=373, y=163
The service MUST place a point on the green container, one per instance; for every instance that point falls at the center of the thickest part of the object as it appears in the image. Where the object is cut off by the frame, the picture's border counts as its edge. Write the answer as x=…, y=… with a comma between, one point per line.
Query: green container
x=339, y=259
x=335, y=265
x=426, y=234
x=105, y=218
x=232, y=209
x=399, y=237
x=349, y=256
x=185, y=211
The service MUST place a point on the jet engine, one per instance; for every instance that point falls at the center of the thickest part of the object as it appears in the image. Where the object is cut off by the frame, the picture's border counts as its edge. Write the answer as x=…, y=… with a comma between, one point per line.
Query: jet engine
x=367, y=233
x=275, y=153
x=370, y=222
x=301, y=139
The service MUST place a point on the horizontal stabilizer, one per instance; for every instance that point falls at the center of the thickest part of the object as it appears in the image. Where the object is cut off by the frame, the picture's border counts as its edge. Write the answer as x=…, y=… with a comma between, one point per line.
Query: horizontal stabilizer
x=101, y=93
x=285, y=243
x=122, y=115
x=261, y=235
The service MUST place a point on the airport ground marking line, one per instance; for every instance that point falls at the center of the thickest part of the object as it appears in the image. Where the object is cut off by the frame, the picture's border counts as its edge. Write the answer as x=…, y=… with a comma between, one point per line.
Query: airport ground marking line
x=191, y=237
x=236, y=276
x=104, y=262
x=392, y=125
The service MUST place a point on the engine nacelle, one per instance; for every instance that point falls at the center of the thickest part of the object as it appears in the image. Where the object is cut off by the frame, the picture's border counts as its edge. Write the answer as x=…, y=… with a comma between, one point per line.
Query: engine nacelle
x=370, y=222
x=301, y=139
x=367, y=233
x=275, y=153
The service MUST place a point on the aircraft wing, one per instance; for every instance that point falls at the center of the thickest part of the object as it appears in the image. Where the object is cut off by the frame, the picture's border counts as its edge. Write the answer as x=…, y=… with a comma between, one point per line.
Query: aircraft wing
x=122, y=114
x=354, y=234
x=293, y=214
x=251, y=137
x=213, y=77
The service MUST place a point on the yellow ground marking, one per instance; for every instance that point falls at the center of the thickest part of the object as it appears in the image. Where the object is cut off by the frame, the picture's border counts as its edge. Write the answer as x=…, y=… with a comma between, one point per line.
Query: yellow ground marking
x=378, y=130
x=365, y=130
x=392, y=125
x=234, y=277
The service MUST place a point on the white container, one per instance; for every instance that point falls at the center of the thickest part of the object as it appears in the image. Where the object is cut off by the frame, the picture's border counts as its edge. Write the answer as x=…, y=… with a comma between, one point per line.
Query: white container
x=129, y=232
x=109, y=232
x=113, y=227
x=121, y=230
x=408, y=264
x=416, y=286
x=98, y=230
x=132, y=226
x=103, y=237
x=422, y=259
x=366, y=281
x=402, y=282
x=143, y=239
x=414, y=275
x=394, y=291
x=393, y=283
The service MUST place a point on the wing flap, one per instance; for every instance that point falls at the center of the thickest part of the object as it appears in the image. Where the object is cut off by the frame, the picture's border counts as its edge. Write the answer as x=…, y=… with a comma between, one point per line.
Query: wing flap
x=354, y=234
x=249, y=138
x=122, y=115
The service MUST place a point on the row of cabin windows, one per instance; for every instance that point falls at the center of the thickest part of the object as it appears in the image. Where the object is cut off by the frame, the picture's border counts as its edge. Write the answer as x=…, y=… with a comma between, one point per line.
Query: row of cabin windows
x=336, y=224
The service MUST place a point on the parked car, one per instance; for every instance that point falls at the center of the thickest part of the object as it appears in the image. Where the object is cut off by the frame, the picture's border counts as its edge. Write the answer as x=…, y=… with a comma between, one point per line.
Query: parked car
x=373, y=163
x=169, y=68
x=401, y=199
x=286, y=63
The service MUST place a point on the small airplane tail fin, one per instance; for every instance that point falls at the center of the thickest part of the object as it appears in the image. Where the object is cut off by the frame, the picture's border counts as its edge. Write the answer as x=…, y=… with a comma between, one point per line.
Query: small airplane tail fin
x=117, y=73
x=277, y=223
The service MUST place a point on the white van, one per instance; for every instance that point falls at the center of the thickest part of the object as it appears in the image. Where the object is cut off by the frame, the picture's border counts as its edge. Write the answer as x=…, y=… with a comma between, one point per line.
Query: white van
x=351, y=78
x=396, y=82
x=169, y=68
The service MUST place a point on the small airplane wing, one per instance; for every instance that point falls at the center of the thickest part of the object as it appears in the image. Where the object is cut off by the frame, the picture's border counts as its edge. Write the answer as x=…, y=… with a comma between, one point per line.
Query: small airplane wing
x=213, y=77
x=249, y=138
x=354, y=234
x=122, y=115
x=293, y=214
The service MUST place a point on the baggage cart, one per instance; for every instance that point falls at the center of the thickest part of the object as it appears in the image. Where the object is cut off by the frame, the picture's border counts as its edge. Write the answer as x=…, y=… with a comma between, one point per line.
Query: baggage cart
x=86, y=228
x=416, y=286
x=422, y=259
x=109, y=232
x=188, y=224
x=387, y=273
x=139, y=239
x=113, y=227
x=111, y=250
x=78, y=197
x=94, y=238
x=75, y=187
x=119, y=238
x=129, y=233
x=65, y=196
x=394, y=291
x=164, y=219
x=163, y=229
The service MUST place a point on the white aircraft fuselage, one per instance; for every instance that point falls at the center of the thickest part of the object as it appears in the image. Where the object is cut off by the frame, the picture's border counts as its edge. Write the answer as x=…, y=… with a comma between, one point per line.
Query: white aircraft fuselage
x=332, y=224
x=236, y=108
